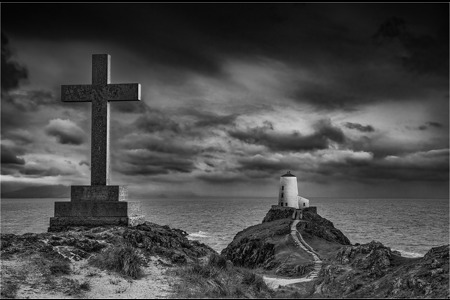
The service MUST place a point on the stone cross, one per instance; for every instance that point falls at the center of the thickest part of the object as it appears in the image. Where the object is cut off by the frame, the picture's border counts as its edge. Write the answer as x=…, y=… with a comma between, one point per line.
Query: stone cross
x=97, y=204
x=100, y=93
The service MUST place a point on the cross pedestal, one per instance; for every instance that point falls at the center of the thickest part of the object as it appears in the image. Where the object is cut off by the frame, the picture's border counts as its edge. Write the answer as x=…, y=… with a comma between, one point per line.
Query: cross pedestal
x=99, y=203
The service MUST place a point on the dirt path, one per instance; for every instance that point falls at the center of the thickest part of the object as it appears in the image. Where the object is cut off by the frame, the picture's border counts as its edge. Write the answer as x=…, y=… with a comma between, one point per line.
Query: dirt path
x=275, y=282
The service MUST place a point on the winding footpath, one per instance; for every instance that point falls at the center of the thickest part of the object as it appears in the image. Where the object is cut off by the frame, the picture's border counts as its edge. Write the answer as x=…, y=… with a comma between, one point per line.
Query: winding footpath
x=274, y=282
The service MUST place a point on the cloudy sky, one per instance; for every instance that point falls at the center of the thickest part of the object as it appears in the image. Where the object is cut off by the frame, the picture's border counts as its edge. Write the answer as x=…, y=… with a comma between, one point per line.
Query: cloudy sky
x=352, y=98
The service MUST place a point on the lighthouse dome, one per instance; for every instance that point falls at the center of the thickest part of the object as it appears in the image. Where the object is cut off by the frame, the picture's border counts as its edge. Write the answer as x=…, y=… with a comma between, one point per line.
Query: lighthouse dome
x=288, y=174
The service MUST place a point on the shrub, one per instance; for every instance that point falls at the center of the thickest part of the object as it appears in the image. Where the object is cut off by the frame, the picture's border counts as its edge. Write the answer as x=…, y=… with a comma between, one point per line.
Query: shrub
x=253, y=280
x=124, y=260
x=9, y=290
x=216, y=260
x=59, y=267
x=85, y=286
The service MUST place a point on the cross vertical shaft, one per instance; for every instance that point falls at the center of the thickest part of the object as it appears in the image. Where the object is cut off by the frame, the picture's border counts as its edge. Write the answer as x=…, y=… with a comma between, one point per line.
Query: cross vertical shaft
x=100, y=168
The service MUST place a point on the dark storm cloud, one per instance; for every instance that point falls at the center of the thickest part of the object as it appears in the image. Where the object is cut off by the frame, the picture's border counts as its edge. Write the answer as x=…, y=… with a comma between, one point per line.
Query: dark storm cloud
x=222, y=178
x=129, y=107
x=324, y=134
x=210, y=119
x=41, y=170
x=427, y=125
x=22, y=137
x=159, y=144
x=196, y=37
x=434, y=124
x=9, y=156
x=419, y=166
x=269, y=166
x=84, y=162
x=327, y=98
x=416, y=166
x=12, y=72
x=424, y=53
x=144, y=154
x=155, y=121
x=382, y=147
x=66, y=132
x=26, y=101
x=359, y=127
x=143, y=162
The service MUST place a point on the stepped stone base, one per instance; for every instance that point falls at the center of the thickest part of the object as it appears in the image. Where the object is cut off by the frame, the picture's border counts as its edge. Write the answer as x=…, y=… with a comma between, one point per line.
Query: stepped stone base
x=98, y=193
x=91, y=209
x=60, y=223
x=96, y=205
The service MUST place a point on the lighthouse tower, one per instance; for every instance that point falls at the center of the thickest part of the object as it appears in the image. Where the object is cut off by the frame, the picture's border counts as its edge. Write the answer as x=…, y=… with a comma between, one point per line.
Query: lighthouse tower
x=288, y=193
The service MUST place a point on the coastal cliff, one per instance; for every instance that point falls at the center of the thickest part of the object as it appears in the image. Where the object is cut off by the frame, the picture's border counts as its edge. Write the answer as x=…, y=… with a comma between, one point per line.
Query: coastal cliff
x=368, y=270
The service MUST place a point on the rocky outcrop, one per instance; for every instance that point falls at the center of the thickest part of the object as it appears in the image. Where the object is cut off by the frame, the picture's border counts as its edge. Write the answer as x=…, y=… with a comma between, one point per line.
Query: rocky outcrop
x=373, y=270
x=317, y=226
x=278, y=213
x=314, y=224
x=78, y=243
x=254, y=247
x=257, y=246
x=100, y=262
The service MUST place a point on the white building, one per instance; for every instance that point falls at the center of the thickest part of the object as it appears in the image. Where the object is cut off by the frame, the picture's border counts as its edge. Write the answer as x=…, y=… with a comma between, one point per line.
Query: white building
x=288, y=193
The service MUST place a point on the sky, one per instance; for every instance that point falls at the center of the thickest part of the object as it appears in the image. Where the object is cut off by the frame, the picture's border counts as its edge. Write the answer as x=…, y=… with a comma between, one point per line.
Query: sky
x=353, y=99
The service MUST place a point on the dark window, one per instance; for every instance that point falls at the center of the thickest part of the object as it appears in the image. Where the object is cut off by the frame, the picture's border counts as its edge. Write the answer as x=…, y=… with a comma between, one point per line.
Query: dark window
x=303, y=204
x=282, y=187
x=282, y=195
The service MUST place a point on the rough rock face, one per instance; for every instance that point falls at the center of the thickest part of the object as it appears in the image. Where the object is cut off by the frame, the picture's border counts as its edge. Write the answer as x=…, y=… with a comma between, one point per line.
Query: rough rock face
x=373, y=257
x=315, y=225
x=278, y=213
x=79, y=243
x=322, y=228
x=253, y=247
x=373, y=270
x=294, y=270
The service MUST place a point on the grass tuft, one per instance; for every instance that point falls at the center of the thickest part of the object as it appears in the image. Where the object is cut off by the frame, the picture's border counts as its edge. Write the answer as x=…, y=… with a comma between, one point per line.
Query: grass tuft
x=125, y=260
x=217, y=279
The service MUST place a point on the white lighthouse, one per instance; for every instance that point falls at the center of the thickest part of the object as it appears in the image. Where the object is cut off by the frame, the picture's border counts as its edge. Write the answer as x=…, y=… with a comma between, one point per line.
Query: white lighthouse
x=288, y=193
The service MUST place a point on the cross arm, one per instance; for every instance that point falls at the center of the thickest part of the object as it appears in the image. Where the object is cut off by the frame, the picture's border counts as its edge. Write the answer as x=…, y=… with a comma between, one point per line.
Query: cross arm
x=109, y=92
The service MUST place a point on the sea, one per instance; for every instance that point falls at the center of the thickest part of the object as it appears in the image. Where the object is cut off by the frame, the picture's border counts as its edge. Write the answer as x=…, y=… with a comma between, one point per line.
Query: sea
x=411, y=226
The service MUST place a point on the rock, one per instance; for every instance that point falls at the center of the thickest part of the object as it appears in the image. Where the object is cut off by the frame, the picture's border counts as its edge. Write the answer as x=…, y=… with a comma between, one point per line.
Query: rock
x=253, y=247
x=298, y=270
x=372, y=257
x=81, y=242
x=373, y=270
x=278, y=213
x=317, y=226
